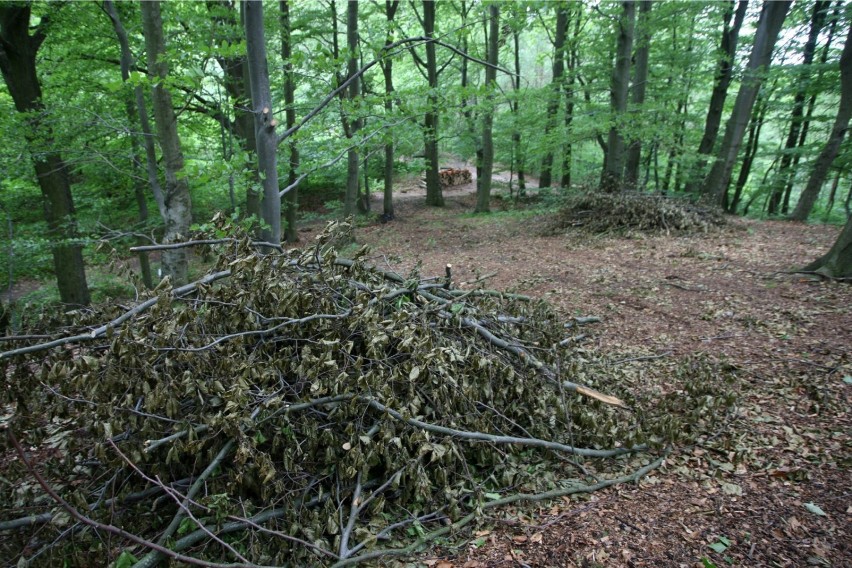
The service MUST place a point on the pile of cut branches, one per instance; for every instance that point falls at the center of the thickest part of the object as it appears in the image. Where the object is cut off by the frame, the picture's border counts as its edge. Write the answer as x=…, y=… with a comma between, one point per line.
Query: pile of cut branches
x=300, y=408
x=634, y=212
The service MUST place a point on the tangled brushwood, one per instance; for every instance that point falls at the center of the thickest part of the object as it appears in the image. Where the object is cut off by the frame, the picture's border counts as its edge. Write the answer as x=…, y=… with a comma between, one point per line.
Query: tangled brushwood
x=634, y=212
x=299, y=408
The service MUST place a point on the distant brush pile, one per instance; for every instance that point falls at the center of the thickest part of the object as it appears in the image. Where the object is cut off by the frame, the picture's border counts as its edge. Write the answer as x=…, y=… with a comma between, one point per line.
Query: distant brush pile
x=634, y=212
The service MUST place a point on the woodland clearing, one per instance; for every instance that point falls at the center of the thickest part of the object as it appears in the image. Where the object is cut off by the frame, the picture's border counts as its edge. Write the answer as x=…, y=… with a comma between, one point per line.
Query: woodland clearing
x=746, y=499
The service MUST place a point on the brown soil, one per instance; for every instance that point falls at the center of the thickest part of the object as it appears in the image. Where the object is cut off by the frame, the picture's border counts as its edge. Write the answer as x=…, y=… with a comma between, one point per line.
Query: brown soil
x=663, y=298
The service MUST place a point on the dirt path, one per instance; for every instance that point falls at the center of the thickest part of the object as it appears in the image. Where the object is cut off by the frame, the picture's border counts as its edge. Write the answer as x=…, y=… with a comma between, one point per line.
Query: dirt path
x=777, y=493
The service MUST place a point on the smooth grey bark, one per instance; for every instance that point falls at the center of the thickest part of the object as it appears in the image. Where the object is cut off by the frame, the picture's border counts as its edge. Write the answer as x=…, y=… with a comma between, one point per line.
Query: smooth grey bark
x=572, y=62
x=819, y=172
x=18, y=51
x=640, y=82
x=779, y=183
x=132, y=111
x=264, y=120
x=483, y=189
x=837, y=262
x=545, y=178
x=722, y=81
x=391, y=7
x=613, y=170
x=769, y=26
x=350, y=202
x=291, y=199
x=434, y=194
x=177, y=210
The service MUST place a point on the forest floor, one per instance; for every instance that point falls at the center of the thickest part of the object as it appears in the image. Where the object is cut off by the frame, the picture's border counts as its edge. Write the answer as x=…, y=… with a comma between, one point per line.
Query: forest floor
x=779, y=495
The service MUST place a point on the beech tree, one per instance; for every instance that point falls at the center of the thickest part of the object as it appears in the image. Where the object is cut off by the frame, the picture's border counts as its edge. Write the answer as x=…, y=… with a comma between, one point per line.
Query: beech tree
x=483, y=189
x=613, y=171
x=137, y=113
x=779, y=199
x=391, y=7
x=640, y=85
x=545, y=178
x=829, y=152
x=292, y=196
x=264, y=120
x=771, y=19
x=177, y=209
x=721, y=82
x=18, y=51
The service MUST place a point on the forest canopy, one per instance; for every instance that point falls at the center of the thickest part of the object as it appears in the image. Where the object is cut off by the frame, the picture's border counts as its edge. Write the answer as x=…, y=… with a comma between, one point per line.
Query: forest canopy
x=139, y=124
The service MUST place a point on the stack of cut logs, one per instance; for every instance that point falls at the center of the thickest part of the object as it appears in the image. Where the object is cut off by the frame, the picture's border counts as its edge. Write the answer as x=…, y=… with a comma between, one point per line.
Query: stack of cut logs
x=452, y=177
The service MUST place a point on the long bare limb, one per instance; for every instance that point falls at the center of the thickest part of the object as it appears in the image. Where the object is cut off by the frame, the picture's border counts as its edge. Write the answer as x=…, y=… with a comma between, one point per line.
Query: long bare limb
x=102, y=330
x=519, y=498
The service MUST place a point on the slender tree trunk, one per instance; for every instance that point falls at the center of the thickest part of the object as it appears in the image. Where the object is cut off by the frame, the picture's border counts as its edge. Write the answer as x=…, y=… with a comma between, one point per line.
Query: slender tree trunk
x=545, y=178
x=831, y=196
x=126, y=63
x=613, y=171
x=264, y=120
x=784, y=169
x=178, y=203
x=806, y=122
x=353, y=160
x=517, y=147
x=235, y=78
x=291, y=199
x=752, y=144
x=724, y=73
x=434, y=194
x=771, y=20
x=841, y=123
x=391, y=7
x=483, y=193
x=572, y=62
x=640, y=81
x=18, y=64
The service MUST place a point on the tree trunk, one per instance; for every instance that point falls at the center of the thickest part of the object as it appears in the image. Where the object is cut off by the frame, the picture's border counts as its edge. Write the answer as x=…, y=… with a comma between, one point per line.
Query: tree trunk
x=353, y=160
x=572, y=62
x=545, y=178
x=806, y=122
x=614, y=161
x=517, y=148
x=235, y=79
x=784, y=169
x=18, y=64
x=832, y=147
x=132, y=111
x=483, y=190
x=832, y=196
x=391, y=7
x=724, y=73
x=434, y=195
x=837, y=262
x=640, y=81
x=264, y=121
x=754, y=128
x=291, y=199
x=771, y=20
x=177, y=200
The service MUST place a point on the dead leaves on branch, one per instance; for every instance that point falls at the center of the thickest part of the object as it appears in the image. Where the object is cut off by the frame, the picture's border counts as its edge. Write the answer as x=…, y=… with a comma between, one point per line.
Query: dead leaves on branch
x=339, y=403
x=634, y=212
